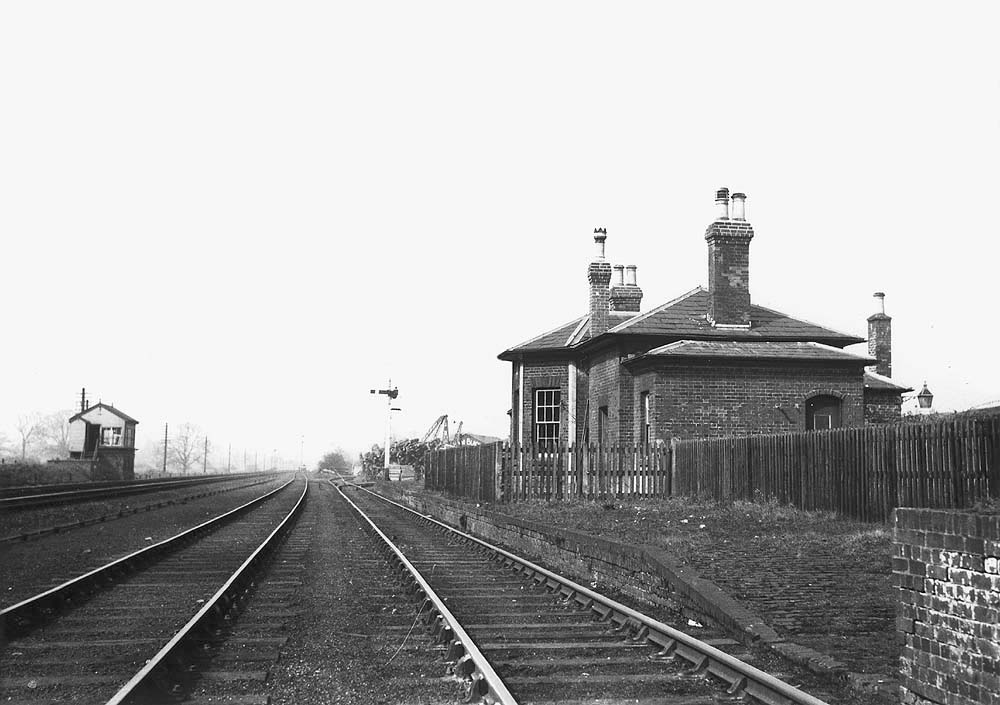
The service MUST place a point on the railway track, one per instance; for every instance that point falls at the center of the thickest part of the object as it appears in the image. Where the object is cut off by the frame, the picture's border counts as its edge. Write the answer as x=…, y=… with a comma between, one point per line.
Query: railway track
x=517, y=633
x=51, y=526
x=50, y=495
x=146, y=627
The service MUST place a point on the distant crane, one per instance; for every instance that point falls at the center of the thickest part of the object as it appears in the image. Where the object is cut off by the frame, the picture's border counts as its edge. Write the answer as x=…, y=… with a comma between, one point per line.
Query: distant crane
x=440, y=425
x=439, y=430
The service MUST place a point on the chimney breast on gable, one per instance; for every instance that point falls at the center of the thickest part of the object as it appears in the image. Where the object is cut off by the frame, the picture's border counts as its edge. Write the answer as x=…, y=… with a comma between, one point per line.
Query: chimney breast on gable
x=729, y=266
x=880, y=337
x=599, y=277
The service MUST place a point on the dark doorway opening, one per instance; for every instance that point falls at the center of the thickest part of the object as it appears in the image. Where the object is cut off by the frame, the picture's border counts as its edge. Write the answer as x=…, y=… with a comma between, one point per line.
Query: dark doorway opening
x=90, y=439
x=823, y=412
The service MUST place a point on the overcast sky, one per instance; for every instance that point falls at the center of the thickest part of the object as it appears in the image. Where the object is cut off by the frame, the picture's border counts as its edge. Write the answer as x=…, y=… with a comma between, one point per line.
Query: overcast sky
x=245, y=215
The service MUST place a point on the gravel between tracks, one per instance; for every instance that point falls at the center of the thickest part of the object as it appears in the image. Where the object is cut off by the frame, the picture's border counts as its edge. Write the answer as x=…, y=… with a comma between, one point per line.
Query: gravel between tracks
x=353, y=618
x=33, y=566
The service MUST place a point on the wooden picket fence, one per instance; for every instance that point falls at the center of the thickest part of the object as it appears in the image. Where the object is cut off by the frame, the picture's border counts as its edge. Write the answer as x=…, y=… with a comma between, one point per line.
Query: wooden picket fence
x=860, y=472
x=502, y=472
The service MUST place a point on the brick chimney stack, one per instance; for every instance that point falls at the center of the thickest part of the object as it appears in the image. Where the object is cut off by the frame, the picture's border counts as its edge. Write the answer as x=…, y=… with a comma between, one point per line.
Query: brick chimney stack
x=880, y=337
x=625, y=294
x=729, y=262
x=599, y=276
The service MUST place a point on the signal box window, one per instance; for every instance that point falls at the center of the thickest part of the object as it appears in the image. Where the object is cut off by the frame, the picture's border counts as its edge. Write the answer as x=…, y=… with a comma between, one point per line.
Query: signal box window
x=111, y=436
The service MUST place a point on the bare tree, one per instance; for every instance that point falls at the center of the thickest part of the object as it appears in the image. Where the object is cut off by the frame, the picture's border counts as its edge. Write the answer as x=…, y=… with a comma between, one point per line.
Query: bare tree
x=185, y=447
x=55, y=433
x=29, y=426
x=5, y=447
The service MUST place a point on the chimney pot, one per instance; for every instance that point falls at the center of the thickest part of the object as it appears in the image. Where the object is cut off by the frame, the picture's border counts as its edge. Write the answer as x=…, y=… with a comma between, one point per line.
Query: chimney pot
x=600, y=235
x=619, y=275
x=630, y=275
x=880, y=297
x=739, y=206
x=722, y=202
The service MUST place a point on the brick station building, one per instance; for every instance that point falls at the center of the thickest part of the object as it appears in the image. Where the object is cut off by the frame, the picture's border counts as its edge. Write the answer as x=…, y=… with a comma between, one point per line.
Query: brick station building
x=707, y=363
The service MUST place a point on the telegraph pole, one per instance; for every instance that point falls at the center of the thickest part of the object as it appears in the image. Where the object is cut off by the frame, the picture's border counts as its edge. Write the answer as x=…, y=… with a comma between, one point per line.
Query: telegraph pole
x=204, y=458
x=164, y=449
x=229, y=460
x=390, y=393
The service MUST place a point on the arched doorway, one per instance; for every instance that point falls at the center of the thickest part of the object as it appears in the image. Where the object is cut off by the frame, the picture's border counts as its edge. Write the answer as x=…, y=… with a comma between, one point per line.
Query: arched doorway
x=822, y=412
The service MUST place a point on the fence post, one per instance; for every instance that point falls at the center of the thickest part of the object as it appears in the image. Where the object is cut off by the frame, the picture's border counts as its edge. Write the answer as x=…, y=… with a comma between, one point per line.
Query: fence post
x=992, y=474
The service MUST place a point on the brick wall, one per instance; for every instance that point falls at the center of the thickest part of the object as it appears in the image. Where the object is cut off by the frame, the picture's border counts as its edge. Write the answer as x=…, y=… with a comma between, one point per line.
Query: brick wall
x=628, y=409
x=544, y=375
x=599, y=276
x=603, y=391
x=882, y=406
x=582, y=390
x=729, y=272
x=699, y=400
x=114, y=464
x=880, y=342
x=945, y=568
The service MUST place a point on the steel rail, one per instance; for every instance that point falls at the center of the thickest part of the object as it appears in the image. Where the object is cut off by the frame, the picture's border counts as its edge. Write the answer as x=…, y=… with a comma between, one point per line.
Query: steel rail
x=213, y=611
x=742, y=677
x=207, y=491
x=42, y=489
x=64, y=496
x=18, y=618
x=468, y=659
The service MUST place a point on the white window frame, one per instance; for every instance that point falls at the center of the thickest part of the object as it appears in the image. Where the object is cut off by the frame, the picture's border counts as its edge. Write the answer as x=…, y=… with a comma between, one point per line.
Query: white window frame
x=112, y=434
x=547, y=414
x=645, y=430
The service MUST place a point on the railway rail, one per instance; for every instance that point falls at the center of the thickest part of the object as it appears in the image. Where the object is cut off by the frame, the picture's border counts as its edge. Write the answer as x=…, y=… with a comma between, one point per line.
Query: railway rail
x=517, y=632
x=235, y=482
x=48, y=495
x=136, y=629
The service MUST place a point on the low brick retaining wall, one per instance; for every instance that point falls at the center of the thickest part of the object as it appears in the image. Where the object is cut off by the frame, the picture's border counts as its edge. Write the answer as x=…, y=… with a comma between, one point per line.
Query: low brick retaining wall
x=644, y=573
x=945, y=566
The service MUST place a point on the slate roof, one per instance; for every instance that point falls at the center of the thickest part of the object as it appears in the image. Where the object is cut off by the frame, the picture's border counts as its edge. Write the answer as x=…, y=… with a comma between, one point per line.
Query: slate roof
x=754, y=350
x=123, y=416
x=684, y=317
x=569, y=334
x=880, y=382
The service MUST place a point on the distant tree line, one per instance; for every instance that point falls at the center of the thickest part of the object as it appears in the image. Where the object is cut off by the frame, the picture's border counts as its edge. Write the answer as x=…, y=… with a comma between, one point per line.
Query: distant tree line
x=37, y=437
